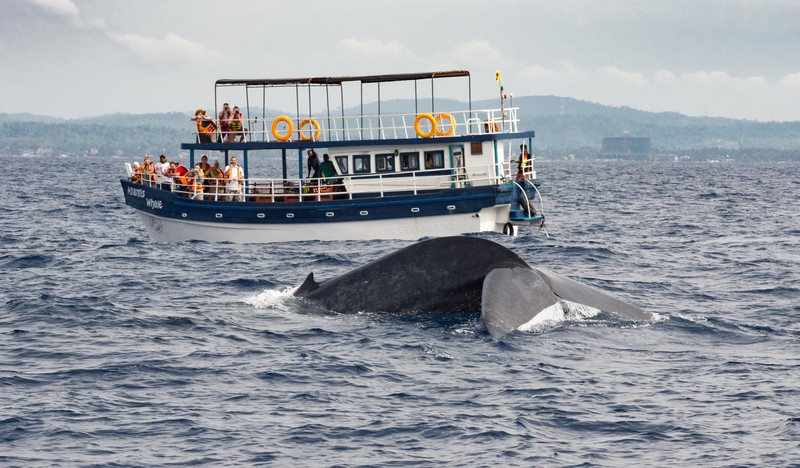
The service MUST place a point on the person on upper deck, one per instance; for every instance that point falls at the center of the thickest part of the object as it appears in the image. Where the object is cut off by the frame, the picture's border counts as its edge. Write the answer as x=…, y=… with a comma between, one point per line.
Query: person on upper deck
x=237, y=127
x=225, y=123
x=523, y=163
x=235, y=175
x=313, y=164
x=327, y=168
x=206, y=128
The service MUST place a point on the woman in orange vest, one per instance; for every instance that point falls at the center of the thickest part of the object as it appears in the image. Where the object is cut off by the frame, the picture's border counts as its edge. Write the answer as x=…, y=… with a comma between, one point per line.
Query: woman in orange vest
x=206, y=128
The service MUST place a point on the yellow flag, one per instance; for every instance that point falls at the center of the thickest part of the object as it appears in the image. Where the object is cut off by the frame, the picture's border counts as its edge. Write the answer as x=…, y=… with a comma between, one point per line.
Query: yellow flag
x=497, y=75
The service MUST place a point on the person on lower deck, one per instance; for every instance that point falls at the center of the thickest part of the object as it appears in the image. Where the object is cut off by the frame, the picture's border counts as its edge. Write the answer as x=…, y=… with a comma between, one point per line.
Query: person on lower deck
x=523, y=163
x=197, y=180
x=162, y=173
x=235, y=175
x=313, y=164
x=327, y=168
x=216, y=180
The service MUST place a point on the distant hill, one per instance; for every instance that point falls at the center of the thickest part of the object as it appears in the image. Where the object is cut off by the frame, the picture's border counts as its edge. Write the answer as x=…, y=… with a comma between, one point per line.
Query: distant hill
x=563, y=126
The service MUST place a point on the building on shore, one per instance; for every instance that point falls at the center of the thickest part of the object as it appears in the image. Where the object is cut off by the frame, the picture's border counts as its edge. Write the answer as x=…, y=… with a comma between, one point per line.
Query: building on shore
x=625, y=149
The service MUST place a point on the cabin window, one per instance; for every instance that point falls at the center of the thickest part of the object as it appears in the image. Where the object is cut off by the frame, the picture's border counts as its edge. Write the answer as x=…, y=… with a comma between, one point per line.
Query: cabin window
x=341, y=161
x=361, y=164
x=384, y=162
x=409, y=161
x=434, y=159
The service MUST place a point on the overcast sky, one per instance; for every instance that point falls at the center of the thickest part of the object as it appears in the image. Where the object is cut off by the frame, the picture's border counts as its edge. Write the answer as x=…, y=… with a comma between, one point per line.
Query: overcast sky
x=75, y=58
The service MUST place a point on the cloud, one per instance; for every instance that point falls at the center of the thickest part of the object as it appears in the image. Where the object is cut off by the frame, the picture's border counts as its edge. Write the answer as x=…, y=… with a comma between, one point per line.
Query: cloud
x=63, y=8
x=721, y=78
x=664, y=77
x=479, y=50
x=567, y=72
x=623, y=76
x=372, y=48
x=171, y=45
x=68, y=10
x=791, y=80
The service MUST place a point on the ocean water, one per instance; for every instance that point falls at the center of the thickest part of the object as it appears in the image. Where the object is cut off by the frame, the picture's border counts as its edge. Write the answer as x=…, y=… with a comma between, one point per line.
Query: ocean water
x=115, y=351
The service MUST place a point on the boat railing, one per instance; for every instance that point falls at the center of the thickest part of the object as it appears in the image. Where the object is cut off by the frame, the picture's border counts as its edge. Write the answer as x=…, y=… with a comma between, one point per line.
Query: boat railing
x=375, y=127
x=339, y=187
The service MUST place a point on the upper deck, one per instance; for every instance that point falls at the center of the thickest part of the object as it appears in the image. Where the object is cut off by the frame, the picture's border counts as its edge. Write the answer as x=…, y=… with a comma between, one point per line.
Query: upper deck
x=314, y=123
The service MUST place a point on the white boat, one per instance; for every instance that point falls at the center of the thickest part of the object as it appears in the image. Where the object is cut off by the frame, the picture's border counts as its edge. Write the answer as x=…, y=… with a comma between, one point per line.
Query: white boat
x=422, y=173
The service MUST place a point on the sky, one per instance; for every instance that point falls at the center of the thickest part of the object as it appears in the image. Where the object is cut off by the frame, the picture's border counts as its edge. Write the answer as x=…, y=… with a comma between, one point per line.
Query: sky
x=728, y=58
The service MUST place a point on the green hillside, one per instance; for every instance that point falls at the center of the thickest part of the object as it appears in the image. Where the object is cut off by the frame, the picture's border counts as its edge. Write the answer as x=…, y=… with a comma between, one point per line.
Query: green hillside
x=564, y=127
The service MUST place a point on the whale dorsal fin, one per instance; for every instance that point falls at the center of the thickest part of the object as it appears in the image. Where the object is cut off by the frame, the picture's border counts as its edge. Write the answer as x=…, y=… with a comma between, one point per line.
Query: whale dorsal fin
x=308, y=285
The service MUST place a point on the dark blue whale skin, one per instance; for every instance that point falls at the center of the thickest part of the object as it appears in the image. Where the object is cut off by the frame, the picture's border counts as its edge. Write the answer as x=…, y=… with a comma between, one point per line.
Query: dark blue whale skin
x=458, y=274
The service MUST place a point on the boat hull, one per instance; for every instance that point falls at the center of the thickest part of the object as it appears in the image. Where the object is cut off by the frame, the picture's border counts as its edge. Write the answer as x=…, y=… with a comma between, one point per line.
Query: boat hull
x=169, y=218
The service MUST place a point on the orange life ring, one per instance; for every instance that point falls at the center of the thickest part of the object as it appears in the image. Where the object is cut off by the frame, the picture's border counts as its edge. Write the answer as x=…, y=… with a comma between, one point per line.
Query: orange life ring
x=418, y=120
x=305, y=122
x=288, y=134
x=452, y=129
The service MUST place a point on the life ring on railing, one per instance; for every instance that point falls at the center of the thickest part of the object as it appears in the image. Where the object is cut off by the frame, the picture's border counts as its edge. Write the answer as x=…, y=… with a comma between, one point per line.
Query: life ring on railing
x=288, y=134
x=452, y=120
x=305, y=122
x=487, y=125
x=418, y=120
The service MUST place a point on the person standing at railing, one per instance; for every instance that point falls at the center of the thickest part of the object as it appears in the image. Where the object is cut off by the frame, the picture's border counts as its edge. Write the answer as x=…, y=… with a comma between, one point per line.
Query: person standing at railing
x=237, y=127
x=313, y=164
x=216, y=179
x=225, y=123
x=235, y=175
x=523, y=163
x=162, y=171
x=148, y=171
x=327, y=168
x=197, y=180
x=206, y=128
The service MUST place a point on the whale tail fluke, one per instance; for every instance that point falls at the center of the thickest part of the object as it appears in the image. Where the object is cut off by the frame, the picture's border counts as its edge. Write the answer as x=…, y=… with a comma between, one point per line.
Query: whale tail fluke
x=574, y=291
x=512, y=297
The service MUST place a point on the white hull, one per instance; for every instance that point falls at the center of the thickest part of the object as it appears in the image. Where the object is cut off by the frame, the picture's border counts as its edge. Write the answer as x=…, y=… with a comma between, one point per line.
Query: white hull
x=171, y=230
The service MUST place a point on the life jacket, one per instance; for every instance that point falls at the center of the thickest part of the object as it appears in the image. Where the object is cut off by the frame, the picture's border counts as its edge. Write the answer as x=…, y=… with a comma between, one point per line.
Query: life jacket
x=218, y=177
x=236, y=125
x=523, y=162
x=206, y=126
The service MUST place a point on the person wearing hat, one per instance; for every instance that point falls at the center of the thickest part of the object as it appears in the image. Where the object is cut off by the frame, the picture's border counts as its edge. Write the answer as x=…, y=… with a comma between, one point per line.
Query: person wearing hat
x=206, y=128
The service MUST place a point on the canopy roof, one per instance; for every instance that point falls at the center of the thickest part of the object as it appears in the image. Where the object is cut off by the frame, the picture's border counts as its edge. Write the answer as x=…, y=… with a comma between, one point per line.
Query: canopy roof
x=337, y=81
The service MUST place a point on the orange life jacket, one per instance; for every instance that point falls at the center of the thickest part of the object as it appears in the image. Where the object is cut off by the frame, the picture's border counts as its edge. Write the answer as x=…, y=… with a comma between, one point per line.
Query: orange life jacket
x=206, y=126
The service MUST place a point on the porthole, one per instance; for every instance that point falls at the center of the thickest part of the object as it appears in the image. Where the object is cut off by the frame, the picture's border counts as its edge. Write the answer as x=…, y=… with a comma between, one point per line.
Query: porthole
x=363, y=213
x=329, y=214
x=261, y=216
x=415, y=210
x=218, y=215
x=183, y=215
x=451, y=207
x=290, y=215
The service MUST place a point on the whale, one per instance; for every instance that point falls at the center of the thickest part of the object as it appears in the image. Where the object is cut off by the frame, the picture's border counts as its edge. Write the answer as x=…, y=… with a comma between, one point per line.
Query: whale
x=460, y=274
